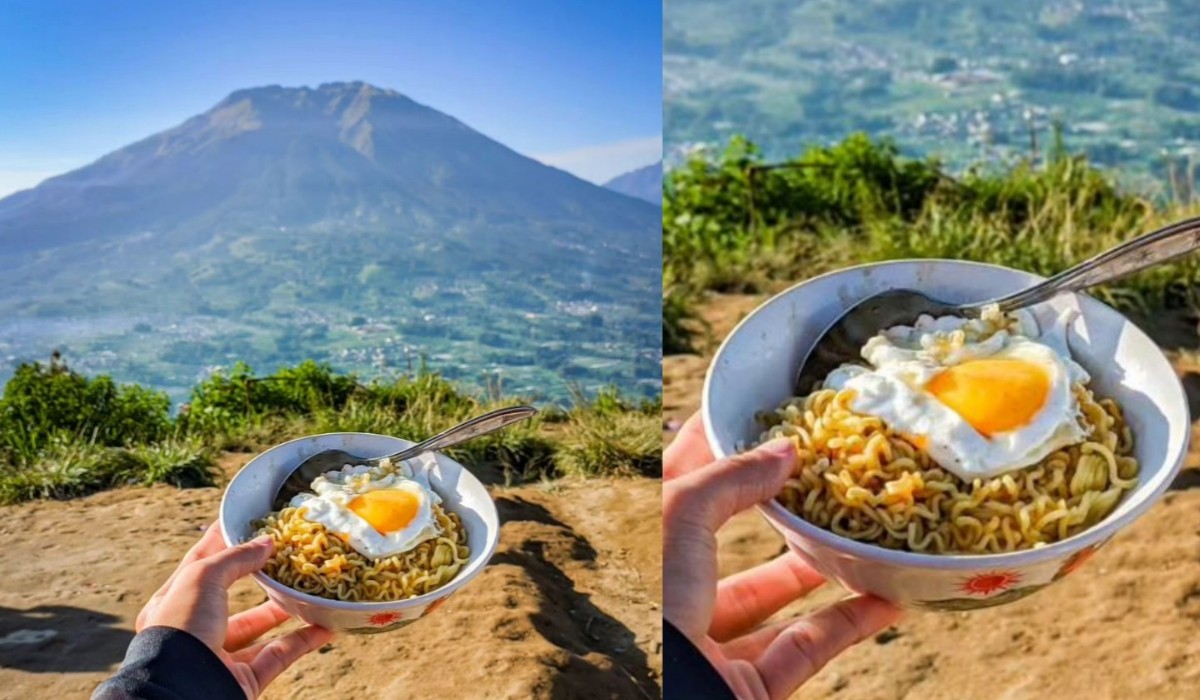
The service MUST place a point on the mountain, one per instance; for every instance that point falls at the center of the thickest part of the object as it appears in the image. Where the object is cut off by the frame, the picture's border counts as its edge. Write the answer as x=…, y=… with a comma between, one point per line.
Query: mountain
x=643, y=183
x=347, y=223
x=344, y=154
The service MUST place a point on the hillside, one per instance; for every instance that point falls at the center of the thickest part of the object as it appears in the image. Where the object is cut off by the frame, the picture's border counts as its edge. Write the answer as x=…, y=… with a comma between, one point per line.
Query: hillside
x=346, y=223
x=963, y=81
x=643, y=183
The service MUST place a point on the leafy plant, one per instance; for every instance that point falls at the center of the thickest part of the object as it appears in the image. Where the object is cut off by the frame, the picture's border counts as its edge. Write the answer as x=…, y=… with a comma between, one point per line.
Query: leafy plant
x=79, y=435
x=861, y=201
x=227, y=399
x=679, y=318
x=44, y=402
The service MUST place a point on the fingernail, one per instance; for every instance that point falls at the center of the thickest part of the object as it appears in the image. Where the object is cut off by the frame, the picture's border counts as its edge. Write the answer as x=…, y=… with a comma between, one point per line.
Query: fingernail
x=262, y=542
x=780, y=447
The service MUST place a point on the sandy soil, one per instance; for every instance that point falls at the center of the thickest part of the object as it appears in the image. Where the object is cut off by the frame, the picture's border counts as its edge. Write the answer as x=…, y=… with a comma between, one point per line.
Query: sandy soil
x=1126, y=625
x=568, y=608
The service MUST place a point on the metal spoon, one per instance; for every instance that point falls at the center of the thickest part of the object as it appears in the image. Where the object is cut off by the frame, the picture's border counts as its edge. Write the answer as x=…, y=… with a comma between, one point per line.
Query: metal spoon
x=843, y=340
x=301, y=479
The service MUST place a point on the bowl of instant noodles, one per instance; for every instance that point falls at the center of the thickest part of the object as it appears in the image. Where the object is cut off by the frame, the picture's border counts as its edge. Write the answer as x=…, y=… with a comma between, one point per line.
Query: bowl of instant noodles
x=959, y=463
x=367, y=549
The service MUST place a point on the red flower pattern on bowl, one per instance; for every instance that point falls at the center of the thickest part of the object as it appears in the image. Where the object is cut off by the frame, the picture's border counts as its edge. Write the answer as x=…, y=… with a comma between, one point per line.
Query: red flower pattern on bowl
x=384, y=618
x=986, y=584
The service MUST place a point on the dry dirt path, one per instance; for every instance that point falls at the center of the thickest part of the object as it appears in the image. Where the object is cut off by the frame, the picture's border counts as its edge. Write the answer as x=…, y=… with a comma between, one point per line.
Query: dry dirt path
x=568, y=608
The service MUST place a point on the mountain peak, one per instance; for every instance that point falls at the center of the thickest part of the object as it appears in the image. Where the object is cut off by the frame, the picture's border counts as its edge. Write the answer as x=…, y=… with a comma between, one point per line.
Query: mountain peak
x=644, y=183
x=346, y=155
x=333, y=88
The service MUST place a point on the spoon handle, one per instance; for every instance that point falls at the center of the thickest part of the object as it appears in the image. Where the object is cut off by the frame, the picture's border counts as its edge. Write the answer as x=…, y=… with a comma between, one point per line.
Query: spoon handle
x=1132, y=256
x=480, y=425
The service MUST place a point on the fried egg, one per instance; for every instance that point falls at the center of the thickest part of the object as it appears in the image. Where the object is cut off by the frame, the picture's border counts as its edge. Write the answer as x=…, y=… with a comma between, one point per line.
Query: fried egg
x=981, y=397
x=378, y=511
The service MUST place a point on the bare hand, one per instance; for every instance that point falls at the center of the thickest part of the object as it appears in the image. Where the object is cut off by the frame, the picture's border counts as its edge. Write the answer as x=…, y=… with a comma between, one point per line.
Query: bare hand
x=195, y=599
x=724, y=618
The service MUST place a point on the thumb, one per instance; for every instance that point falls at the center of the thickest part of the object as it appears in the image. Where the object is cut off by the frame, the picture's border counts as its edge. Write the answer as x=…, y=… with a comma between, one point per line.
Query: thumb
x=688, y=451
x=229, y=565
x=695, y=505
x=715, y=493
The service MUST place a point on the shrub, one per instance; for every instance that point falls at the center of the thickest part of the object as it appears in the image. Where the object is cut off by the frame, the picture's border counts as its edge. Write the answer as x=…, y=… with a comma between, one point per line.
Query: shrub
x=80, y=435
x=226, y=400
x=42, y=402
x=679, y=317
x=867, y=203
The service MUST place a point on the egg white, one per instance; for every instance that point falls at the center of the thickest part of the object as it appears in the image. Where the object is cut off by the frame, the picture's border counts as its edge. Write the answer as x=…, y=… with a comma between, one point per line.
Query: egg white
x=904, y=359
x=334, y=490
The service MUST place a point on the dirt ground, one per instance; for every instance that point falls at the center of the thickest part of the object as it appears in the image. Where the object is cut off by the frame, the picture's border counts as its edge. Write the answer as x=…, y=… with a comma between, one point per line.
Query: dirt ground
x=569, y=606
x=1126, y=625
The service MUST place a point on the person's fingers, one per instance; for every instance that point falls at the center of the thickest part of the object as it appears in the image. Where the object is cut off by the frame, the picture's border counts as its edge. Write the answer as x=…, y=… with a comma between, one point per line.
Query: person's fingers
x=747, y=598
x=751, y=645
x=715, y=493
x=802, y=648
x=249, y=625
x=688, y=451
x=273, y=657
x=225, y=567
x=694, y=506
x=209, y=543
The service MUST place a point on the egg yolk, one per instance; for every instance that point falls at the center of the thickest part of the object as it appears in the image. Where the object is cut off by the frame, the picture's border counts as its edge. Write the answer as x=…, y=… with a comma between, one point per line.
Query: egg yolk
x=993, y=396
x=386, y=510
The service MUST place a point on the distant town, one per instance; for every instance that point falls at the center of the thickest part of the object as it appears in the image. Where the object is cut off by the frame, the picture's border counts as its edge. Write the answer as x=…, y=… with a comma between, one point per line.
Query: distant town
x=972, y=83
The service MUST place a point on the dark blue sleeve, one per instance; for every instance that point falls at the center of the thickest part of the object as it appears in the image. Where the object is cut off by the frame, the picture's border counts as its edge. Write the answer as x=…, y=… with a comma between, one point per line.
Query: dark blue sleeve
x=687, y=674
x=164, y=663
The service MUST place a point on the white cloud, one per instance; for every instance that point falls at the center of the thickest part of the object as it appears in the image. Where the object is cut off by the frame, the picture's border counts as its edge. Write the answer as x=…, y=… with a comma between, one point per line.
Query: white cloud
x=17, y=180
x=603, y=162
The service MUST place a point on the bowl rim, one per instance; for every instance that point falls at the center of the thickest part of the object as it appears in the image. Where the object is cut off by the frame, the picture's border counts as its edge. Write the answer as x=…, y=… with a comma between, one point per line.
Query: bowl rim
x=468, y=573
x=1140, y=498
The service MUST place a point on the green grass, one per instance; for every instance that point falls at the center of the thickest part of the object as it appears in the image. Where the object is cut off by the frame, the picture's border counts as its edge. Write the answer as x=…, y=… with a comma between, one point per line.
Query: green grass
x=66, y=469
x=737, y=224
x=64, y=435
x=621, y=443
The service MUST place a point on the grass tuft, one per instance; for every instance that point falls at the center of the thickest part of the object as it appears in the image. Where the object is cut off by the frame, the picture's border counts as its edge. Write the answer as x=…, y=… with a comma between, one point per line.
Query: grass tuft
x=624, y=443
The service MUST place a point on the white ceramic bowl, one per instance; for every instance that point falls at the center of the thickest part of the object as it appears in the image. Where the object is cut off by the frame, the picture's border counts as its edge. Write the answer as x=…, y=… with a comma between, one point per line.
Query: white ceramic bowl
x=250, y=493
x=755, y=367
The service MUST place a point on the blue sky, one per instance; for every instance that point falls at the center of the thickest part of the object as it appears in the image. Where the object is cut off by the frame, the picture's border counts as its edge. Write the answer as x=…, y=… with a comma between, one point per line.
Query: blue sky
x=574, y=83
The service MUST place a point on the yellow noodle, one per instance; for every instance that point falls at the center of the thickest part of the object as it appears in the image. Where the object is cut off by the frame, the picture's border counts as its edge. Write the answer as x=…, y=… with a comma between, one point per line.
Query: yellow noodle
x=859, y=479
x=311, y=559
